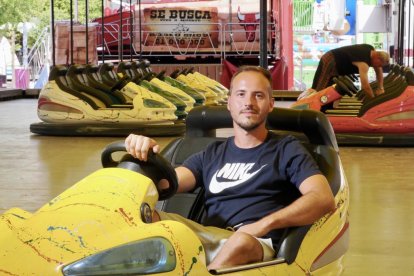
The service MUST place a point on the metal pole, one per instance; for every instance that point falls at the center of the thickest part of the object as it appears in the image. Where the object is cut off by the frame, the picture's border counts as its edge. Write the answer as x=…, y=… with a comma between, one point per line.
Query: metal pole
x=76, y=17
x=71, y=32
x=131, y=25
x=409, y=34
x=263, y=34
x=397, y=43
x=103, y=31
x=87, y=31
x=401, y=33
x=140, y=31
x=231, y=26
x=120, y=39
x=52, y=28
x=25, y=62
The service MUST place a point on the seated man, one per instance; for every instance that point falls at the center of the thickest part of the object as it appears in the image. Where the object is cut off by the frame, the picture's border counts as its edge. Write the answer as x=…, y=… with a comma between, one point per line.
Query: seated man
x=347, y=60
x=257, y=183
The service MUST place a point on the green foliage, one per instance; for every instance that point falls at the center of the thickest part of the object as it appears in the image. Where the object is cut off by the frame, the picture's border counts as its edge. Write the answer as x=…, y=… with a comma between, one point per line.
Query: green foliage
x=14, y=11
x=62, y=9
x=38, y=12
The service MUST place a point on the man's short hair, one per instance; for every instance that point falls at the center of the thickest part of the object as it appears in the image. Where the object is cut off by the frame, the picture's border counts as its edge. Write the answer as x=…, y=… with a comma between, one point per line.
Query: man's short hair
x=249, y=68
x=384, y=57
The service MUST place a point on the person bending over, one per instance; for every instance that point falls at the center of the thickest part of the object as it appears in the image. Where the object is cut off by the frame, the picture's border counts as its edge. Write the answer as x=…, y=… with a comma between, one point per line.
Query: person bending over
x=257, y=183
x=353, y=59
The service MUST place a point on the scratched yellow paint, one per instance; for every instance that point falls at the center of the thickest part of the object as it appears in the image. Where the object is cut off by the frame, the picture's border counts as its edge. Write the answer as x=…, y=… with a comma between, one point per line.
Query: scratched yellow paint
x=103, y=211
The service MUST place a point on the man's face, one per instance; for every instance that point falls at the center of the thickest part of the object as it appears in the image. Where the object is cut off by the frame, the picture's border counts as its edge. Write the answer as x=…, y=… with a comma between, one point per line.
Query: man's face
x=249, y=101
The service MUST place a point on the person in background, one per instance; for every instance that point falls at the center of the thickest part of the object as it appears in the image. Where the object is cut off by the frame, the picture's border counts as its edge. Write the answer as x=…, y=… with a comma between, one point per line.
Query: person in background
x=353, y=59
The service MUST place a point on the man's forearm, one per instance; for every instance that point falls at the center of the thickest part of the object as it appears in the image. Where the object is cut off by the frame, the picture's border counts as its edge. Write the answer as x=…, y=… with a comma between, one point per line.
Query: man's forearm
x=380, y=77
x=365, y=85
x=305, y=210
x=368, y=90
x=316, y=200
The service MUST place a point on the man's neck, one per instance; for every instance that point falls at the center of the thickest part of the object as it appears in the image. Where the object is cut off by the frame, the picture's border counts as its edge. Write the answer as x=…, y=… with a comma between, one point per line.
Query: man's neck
x=249, y=139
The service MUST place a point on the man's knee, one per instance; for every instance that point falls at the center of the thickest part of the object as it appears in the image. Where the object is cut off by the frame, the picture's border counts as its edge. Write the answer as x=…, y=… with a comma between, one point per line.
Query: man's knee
x=243, y=242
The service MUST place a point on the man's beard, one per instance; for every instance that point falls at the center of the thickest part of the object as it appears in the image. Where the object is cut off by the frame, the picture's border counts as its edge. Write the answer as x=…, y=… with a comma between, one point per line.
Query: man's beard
x=249, y=126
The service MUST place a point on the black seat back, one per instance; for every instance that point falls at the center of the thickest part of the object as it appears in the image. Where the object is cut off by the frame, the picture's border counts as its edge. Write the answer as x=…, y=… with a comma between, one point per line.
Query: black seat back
x=94, y=78
x=204, y=121
x=108, y=75
x=409, y=75
x=58, y=74
x=77, y=81
x=124, y=67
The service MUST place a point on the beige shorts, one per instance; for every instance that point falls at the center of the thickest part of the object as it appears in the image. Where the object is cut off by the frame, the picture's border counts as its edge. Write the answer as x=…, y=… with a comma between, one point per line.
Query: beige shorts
x=213, y=238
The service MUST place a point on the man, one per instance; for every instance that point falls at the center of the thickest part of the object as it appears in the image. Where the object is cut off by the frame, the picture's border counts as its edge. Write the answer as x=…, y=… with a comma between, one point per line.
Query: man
x=354, y=59
x=256, y=182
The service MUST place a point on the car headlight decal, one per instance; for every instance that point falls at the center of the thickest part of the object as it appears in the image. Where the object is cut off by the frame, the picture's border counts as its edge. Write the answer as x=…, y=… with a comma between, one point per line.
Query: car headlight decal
x=147, y=256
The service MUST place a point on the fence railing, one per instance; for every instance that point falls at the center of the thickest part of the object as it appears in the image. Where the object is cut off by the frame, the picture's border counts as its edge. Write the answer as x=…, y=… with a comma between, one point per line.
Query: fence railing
x=38, y=56
x=192, y=39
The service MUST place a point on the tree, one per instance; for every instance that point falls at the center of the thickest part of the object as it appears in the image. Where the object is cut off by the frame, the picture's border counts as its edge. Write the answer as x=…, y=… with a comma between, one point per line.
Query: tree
x=14, y=11
x=38, y=12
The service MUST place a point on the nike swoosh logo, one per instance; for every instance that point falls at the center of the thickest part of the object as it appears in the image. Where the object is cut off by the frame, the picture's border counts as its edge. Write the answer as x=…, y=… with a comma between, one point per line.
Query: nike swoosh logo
x=218, y=186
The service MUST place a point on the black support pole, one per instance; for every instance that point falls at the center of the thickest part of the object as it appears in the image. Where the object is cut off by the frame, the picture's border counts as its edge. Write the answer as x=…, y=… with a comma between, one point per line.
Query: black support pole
x=121, y=35
x=87, y=30
x=263, y=34
x=131, y=34
x=140, y=30
x=52, y=28
x=401, y=31
x=103, y=31
x=71, y=32
x=409, y=47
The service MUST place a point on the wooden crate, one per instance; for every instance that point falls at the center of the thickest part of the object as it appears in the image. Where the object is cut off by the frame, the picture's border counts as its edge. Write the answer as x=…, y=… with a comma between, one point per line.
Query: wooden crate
x=63, y=47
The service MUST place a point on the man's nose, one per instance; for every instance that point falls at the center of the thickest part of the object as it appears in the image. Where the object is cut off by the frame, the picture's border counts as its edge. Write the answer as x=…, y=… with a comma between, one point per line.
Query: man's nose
x=249, y=100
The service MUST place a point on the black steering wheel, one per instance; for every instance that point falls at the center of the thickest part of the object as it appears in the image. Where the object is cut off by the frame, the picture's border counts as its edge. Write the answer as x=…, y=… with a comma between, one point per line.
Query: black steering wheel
x=156, y=167
x=342, y=88
x=120, y=83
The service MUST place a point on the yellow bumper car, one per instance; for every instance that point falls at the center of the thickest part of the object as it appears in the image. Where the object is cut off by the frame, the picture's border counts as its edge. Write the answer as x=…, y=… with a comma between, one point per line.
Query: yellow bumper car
x=102, y=224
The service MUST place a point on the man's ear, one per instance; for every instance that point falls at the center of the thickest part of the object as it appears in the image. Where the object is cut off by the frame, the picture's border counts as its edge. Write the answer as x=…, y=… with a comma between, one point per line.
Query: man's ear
x=271, y=104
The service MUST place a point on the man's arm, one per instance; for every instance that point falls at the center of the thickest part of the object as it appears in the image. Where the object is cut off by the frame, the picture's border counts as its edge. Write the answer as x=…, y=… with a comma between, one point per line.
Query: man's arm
x=186, y=179
x=316, y=201
x=380, y=80
x=363, y=77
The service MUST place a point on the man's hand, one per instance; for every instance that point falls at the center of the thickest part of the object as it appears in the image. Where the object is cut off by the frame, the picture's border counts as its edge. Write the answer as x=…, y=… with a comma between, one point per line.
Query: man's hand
x=138, y=146
x=379, y=91
x=255, y=229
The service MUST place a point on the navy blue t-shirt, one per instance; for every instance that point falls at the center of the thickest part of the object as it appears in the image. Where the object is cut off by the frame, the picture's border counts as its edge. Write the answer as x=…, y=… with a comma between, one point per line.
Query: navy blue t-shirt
x=244, y=185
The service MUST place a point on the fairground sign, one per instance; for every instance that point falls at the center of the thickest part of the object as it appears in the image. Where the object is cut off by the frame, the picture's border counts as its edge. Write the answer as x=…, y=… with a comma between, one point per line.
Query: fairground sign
x=181, y=27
